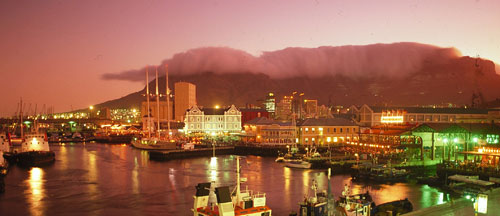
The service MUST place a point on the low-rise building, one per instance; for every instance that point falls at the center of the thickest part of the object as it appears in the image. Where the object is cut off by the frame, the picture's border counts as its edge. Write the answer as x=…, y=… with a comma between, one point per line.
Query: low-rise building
x=212, y=120
x=327, y=131
x=266, y=131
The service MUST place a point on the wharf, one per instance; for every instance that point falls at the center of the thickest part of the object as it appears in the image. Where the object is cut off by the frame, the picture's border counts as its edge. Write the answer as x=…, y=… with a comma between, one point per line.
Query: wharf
x=178, y=154
x=461, y=206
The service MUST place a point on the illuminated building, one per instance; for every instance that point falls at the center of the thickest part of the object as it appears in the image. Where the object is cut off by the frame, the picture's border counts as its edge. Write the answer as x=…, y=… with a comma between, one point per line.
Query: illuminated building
x=212, y=120
x=311, y=108
x=327, y=131
x=263, y=130
x=372, y=115
x=185, y=98
x=270, y=103
x=284, y=108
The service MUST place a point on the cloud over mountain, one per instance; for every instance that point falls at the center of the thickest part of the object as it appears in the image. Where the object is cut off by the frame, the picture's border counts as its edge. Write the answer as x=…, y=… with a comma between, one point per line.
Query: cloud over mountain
x=393, y=60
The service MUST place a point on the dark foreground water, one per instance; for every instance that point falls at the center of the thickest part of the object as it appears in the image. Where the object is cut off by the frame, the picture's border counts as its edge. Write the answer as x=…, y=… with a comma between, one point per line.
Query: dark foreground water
x=101, y=179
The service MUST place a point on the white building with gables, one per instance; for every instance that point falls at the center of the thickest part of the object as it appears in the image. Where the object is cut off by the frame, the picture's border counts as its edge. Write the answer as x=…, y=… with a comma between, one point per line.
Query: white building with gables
x=212, y=120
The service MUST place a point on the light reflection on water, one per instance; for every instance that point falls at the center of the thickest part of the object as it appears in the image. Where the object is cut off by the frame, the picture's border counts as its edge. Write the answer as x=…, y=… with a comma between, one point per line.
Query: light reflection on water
x=98, y=179
x=36, y=192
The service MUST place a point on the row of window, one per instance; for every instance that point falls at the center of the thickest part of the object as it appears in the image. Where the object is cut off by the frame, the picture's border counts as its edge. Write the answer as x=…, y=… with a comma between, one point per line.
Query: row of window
x=211, y=119
x=330, y=139
x=330, y=130
x=214, y=126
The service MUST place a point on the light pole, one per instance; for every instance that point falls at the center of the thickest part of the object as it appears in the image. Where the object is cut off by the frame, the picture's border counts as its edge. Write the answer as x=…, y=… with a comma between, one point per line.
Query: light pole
x=90, y=111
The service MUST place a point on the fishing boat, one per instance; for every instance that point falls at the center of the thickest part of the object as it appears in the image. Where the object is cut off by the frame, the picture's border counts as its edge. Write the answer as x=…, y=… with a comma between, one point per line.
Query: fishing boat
x=358, y=204
x=298, y=164
x=156, y=142
x=230, y=203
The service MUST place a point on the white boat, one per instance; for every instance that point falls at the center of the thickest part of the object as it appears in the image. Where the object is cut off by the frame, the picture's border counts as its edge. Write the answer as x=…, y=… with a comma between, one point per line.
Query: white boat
x=35, y=150
x=230, y=203
x=298, y=164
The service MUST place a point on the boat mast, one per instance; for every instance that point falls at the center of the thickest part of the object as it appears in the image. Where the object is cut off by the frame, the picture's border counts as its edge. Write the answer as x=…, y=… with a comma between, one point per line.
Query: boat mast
x=167, y=91
x=147, y=99
x=157, y=105
x=21, y=118
x=237, y=180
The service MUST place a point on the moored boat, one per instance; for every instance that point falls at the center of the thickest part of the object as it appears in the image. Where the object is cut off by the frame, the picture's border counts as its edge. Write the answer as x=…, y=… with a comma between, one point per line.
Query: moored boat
x=298, y=164
x=230, y=203
x=35, y=151
x=4, y=148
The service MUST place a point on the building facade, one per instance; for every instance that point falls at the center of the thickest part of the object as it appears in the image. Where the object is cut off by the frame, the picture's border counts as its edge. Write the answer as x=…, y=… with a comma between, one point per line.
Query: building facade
x=210, y=121
x=266, y=131
x=185, y=98
x=327, y=131
x=373, y=116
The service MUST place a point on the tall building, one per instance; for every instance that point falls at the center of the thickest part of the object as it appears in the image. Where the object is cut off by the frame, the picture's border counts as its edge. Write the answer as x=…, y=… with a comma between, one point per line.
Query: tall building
x=311, y=108
x=270, y=103
x=284, y=108
x=185, y=98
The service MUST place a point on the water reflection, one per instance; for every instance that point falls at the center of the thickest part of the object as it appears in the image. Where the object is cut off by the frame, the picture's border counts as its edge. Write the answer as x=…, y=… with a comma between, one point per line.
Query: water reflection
x=36, y=192
x=213, y=169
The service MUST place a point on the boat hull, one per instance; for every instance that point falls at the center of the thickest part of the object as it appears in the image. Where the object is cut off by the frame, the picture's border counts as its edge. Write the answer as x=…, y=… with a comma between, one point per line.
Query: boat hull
x=301, y=165
x=154, y=146
x=35, y=158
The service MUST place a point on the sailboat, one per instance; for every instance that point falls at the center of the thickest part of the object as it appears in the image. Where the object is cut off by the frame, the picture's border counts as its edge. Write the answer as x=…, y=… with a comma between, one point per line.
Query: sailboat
x=156, y=142
x=230, y=203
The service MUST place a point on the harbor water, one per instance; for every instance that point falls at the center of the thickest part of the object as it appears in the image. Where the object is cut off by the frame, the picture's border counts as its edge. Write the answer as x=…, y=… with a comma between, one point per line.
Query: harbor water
x=103, y=179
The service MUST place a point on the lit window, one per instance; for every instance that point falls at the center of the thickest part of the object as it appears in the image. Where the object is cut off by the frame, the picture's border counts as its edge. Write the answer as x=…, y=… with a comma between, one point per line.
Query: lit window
x=307, y=140
x=307, y=129
x=313, y=129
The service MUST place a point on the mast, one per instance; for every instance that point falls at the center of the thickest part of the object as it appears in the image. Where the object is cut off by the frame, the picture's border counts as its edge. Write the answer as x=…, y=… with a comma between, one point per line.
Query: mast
x=167, y=91
x=157, y=104
x=237, y=180
x=21, y=118
x=148, y=121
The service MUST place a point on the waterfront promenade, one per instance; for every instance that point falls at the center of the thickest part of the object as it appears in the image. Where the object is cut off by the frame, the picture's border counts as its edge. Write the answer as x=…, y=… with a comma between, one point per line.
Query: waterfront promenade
x=461, y=207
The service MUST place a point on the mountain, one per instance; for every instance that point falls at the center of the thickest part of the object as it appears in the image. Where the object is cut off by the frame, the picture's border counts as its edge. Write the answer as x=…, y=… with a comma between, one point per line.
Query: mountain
x=402, y=74
x=453, y=81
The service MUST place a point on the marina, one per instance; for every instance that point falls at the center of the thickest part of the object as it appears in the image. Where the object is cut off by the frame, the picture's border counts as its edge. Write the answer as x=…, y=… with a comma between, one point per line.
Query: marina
x=95, y=178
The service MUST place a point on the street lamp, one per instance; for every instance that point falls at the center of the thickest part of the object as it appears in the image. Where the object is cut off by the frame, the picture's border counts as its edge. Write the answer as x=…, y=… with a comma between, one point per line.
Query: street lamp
x=90, y=111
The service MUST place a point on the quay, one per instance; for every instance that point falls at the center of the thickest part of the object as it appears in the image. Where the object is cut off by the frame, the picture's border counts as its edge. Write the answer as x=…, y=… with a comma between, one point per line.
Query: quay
x=462, y=206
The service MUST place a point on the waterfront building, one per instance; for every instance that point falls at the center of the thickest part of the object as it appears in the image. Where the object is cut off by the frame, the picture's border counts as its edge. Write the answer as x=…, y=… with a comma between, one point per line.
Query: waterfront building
x=263, y=130
x=447, y=140
x=327, y=131
x=210, y=121
x=373, y=115
x=185, y=98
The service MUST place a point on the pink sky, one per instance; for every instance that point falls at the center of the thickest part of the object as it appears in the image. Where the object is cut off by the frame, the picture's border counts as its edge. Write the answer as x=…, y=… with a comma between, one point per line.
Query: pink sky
x=55, y=52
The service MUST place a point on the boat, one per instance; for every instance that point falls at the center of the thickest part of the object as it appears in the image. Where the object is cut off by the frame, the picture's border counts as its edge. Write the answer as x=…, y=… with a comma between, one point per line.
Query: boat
x=156, y=142
x=397, y=207
x=229, y=203
x=358, y=204
x=4, y=148
x=378, y=173
x=298, y=164
x=35, y=151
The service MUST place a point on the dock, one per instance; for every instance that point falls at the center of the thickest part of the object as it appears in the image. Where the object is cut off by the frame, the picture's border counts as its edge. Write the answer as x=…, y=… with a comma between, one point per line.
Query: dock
x=179, y=154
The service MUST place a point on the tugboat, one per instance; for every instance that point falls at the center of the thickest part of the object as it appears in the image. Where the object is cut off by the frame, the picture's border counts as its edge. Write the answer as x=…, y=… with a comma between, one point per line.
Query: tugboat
x=230, y=203
x=35, y=151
